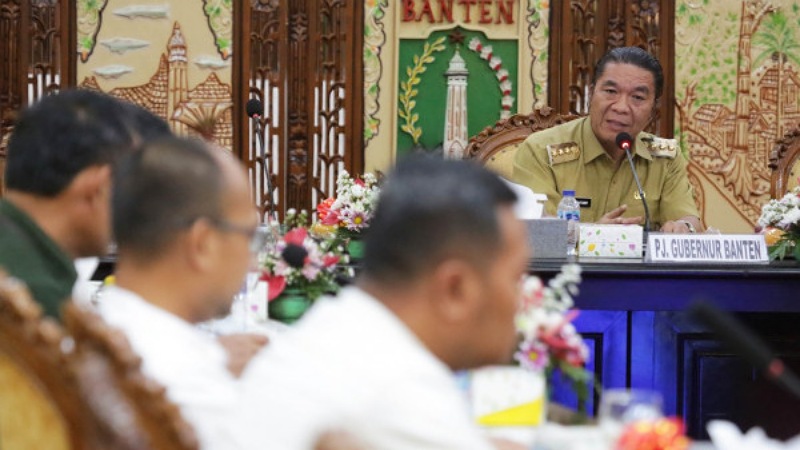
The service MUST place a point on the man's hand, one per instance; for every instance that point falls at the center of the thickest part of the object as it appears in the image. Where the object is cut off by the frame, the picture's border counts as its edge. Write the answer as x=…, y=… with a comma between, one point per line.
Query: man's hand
x=505, y=444
x=337, y=440
x=615, y=216
x=681, y=225
x=241, y=347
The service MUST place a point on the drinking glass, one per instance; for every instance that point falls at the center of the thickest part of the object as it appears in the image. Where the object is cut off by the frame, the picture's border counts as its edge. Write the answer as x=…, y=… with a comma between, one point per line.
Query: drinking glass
x=620, y=407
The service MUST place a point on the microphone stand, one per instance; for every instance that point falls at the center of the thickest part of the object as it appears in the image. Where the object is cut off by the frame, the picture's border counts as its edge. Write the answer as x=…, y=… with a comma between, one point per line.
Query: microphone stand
x=267, y=172
x=641, y=193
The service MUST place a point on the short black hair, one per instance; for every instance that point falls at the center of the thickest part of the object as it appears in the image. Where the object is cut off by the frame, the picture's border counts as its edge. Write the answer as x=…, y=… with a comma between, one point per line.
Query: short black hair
x=162, y=189
x=67, y=132
x=429, y=210
x=635, y=56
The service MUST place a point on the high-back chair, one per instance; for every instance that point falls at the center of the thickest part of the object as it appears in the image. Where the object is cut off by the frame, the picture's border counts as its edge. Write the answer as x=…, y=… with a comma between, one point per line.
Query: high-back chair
x=41, y=405
x=784, y=160
x=496, y=146
x=83, y=391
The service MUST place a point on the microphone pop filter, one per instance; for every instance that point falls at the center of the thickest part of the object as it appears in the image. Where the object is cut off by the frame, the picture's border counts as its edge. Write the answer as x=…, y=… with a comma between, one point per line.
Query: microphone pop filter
x=624, y=141
x=254, y=108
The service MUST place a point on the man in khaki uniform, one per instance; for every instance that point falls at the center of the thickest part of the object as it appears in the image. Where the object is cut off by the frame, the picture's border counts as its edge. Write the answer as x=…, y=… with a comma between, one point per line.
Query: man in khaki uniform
x=583, y=154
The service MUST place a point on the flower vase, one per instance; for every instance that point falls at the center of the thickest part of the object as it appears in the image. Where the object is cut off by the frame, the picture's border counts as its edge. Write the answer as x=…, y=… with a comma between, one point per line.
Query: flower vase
x=289, y=306
x=355, y=248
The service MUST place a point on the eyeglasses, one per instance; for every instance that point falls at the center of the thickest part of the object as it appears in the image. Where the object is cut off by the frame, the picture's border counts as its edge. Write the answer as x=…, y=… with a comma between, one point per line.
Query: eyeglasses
x=251, y=233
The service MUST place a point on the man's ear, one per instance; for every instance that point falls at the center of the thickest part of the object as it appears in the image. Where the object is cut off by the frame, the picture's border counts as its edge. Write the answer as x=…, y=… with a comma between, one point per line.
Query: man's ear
x=457, y=290
x=91, y=185
x=200, y=246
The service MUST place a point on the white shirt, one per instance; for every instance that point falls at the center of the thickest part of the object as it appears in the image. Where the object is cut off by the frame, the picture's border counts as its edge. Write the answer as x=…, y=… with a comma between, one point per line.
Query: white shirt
x=351, y=364
x=190, y=363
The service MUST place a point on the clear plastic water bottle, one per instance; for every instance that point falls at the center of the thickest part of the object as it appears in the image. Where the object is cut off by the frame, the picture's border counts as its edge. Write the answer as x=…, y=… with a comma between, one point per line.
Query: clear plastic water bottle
x=570, y=210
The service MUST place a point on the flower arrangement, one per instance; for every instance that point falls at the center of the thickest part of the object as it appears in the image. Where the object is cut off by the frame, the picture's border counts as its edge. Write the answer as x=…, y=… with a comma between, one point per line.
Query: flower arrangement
x=550, y=342
x=302, y=261
x=780, y=221
x=351, y=210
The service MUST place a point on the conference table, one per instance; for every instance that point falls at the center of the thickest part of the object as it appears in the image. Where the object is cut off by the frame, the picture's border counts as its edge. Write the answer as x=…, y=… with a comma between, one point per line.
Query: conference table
x=635, y=318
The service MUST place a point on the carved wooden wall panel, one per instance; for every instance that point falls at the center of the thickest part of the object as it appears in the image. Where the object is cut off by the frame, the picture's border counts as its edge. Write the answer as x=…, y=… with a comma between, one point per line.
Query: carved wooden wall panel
x=311, y=89
x=593, y=28
x=34, y=57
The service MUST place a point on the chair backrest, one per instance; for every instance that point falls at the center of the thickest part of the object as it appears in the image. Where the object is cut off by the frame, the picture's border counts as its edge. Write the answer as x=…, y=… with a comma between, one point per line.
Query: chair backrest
x=496, y=145
x=83, y=391
x=133, y=404
x=785, y=164
x=40, y=400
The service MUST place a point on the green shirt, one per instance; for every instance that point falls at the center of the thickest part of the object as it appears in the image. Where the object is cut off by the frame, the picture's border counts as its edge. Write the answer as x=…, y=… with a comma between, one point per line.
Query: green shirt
x=28, y=254
x=569, y=156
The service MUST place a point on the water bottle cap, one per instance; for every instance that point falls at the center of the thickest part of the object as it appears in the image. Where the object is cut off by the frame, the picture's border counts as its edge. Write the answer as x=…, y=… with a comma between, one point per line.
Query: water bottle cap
x=569, y=193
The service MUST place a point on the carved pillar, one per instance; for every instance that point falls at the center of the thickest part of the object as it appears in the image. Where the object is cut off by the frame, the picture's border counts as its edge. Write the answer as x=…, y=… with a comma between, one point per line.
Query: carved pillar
x=11, y=82
x=312, y=90
x=261, y=75
x=35, y=57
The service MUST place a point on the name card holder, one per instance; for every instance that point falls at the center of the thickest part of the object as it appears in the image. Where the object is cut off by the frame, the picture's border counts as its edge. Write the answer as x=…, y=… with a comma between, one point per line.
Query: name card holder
x=707, y=248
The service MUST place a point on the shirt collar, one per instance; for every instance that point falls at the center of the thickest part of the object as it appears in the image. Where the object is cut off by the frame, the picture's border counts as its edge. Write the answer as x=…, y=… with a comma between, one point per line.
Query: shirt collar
x=593, y=149
x=25, y=222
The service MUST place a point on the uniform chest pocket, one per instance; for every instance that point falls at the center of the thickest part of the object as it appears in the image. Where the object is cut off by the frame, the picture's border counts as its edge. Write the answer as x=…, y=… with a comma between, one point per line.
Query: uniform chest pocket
x=635, y=207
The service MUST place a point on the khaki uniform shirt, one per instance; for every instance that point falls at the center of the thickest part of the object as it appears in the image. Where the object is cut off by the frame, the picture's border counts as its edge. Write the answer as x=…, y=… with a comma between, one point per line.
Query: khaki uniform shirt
x=569, y=156
x=28, y=254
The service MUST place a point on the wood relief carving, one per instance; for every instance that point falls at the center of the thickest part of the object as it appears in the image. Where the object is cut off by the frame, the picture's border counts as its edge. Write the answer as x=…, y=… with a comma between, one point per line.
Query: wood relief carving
x=332, y=71
x=584, y=54
x=616, y=25
x=645, y=25
x=782, y=161
x=297, y=192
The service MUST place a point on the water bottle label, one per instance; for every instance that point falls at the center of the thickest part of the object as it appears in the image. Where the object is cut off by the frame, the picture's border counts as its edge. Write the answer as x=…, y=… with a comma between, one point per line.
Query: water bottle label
x=569, y=215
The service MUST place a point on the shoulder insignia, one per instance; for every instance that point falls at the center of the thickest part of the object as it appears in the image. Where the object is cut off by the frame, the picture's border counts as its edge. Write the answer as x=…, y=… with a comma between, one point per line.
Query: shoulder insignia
x=661, y=147
x=561, y=153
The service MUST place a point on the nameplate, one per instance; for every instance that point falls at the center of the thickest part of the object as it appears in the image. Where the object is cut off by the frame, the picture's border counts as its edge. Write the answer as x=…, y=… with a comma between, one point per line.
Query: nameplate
x=707, y=248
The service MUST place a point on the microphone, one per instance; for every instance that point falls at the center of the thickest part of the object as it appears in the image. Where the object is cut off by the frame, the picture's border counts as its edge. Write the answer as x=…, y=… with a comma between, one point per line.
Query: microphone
x=747, y=345
x=255, y=110
x=295, y=255
x=625, y=142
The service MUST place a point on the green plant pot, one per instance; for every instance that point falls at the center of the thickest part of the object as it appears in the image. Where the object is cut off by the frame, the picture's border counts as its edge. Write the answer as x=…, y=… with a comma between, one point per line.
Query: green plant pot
x=289, y=306
x=355, y=248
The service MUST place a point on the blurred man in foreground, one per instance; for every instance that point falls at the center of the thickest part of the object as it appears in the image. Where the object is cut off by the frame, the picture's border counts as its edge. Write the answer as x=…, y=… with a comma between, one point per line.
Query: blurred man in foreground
x=437, y=292
x=183, y=222
x=58, y=182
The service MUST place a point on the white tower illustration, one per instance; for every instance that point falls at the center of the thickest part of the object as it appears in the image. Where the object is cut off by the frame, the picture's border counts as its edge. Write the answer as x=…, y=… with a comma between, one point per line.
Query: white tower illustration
x=455, y=122
x=178, y=84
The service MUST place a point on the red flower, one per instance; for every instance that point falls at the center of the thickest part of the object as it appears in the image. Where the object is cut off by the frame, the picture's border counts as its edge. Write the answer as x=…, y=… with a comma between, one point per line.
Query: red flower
x=296, y=236
x=330, y=260
x=275, y=285
x=359, y=182
x=324, y=208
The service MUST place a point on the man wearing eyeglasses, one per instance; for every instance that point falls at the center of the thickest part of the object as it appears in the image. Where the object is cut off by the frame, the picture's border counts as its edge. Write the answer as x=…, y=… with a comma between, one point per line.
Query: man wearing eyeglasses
x=183, y=222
